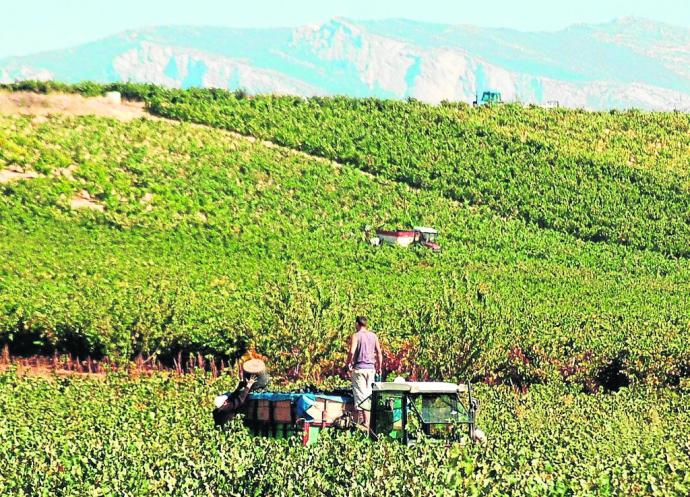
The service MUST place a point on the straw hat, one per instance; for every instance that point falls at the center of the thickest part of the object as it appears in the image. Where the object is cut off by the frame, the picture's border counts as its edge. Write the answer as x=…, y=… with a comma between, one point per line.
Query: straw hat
x=256, y=367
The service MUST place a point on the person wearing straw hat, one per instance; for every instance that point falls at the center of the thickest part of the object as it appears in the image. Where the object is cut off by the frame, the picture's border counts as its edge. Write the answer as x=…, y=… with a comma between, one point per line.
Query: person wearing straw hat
x=253, y=374
x=364, y=360
x=228, y=404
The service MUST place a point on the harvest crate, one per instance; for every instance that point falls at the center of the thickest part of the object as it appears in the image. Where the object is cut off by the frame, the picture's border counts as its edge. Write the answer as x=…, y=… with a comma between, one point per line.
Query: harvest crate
x=281, y=415
x=283, y=411
x=329, y=410
x=278, y=411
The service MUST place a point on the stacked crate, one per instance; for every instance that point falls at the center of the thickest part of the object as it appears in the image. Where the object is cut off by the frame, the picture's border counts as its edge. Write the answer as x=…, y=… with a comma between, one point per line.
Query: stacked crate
x=282, y=415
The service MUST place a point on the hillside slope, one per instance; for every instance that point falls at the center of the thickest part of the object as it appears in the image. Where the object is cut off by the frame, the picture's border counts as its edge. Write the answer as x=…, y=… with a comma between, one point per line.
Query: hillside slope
x=207, y=242
x=597, y=176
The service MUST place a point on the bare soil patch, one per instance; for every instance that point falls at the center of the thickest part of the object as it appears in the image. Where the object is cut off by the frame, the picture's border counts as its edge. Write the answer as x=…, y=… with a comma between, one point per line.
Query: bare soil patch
x=38, y=104
x=15, y=173
x=83, y=200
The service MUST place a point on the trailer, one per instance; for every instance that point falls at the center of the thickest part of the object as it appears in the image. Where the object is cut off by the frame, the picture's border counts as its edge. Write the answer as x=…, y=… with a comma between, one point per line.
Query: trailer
x=282, y=415
x=400, y=410
x=421, y=235
x=401, y=238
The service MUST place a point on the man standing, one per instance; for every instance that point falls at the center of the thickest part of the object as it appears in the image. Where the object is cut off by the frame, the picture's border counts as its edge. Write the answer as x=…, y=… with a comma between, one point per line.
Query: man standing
x=364, y=360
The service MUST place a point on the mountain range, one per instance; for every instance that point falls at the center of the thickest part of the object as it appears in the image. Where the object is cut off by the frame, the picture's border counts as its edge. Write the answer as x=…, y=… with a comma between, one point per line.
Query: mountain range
x=629, y=62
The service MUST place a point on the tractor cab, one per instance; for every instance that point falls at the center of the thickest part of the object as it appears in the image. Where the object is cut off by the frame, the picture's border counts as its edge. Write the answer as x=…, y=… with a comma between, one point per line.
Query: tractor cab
x=427, y=237
x=406, y=411
x=489, y=97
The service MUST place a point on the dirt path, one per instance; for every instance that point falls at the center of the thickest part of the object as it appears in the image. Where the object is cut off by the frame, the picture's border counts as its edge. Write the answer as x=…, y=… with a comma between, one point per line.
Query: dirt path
x=16, y=174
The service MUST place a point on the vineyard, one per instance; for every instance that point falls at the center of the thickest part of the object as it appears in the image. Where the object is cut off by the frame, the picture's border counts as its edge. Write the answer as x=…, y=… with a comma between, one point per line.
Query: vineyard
x=208, y=243
x=152, y=436
x=561, y=289
x=591, y=176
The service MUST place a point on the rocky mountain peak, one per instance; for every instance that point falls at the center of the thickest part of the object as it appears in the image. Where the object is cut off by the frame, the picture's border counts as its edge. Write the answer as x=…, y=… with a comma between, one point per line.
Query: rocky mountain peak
x=628, y=62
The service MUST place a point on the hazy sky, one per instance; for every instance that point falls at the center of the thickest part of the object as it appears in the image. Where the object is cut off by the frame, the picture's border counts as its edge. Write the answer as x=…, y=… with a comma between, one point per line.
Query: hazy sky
x=28, y=26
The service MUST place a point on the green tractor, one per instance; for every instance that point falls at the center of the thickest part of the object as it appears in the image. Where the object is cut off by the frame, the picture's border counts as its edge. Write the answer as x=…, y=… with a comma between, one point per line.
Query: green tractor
x=488, y=97
x=407, y=411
